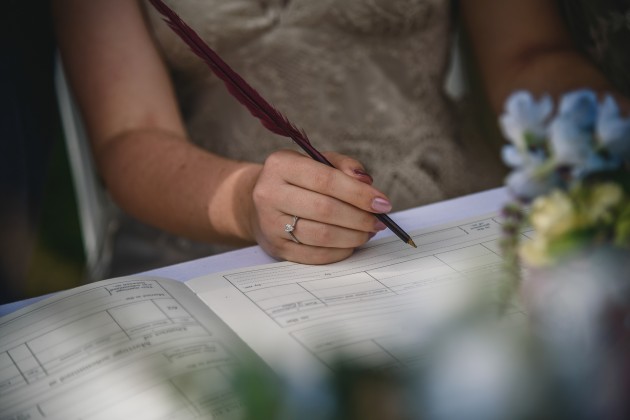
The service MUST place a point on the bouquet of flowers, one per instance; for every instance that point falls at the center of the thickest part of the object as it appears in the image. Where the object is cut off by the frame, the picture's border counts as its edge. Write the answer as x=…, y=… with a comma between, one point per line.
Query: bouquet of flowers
x=572, y=167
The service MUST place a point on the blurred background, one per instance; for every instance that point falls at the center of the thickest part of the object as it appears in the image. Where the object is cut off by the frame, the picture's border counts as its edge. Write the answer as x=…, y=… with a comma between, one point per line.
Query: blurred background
x=40, y=241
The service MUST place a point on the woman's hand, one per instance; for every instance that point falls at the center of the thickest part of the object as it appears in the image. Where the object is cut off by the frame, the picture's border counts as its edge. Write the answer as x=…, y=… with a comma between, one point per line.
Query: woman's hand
x=335, y=207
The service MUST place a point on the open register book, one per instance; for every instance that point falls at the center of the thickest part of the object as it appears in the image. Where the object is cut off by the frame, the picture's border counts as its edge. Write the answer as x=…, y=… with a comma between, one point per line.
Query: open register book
x=142, y=347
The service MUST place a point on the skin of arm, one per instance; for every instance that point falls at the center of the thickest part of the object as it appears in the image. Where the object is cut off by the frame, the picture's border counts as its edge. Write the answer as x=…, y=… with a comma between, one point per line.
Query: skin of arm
x=134, y=125
x=525, y=45
x=156, y=174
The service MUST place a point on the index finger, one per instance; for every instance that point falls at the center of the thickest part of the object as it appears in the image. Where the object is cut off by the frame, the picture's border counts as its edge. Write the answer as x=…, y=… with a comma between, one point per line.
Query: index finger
x=315, y=176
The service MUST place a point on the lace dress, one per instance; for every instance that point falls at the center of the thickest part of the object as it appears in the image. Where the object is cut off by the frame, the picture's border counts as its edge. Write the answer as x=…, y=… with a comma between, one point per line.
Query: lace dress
x=361, y=77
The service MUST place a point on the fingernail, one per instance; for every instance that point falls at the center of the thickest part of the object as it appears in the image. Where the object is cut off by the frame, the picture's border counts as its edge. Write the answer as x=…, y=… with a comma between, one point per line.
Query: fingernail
x=379, y=225
x=380, y=205
x=367, y=178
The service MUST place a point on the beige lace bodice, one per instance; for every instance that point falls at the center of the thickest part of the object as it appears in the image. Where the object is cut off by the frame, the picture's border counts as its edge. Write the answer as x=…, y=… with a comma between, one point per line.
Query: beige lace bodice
x=361, y=77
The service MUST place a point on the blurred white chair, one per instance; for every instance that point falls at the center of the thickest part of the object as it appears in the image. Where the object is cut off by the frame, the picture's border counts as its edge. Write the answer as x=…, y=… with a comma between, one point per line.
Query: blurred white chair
x=95, y=209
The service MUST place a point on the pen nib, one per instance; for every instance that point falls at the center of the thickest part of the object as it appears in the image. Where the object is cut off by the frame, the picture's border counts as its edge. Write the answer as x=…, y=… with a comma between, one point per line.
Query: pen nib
x=410, y=242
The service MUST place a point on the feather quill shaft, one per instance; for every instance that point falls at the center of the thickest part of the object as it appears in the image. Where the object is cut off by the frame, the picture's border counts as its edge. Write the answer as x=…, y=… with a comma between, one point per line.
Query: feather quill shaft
x=270, y=117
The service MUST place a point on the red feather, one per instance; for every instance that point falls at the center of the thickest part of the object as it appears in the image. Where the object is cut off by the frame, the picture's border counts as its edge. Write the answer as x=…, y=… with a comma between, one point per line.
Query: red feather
x=270, y=117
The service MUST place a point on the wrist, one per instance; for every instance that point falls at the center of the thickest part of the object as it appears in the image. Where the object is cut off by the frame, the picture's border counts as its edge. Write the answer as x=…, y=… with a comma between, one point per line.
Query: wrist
x=229, y=206
x=247, y=215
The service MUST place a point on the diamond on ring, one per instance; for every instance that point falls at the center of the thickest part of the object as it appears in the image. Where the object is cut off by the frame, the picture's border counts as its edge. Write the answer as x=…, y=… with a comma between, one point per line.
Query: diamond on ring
x=289, y=228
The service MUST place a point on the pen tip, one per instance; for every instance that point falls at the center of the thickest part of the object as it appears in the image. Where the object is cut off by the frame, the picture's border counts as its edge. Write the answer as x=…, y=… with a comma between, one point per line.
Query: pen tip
x=410, y=242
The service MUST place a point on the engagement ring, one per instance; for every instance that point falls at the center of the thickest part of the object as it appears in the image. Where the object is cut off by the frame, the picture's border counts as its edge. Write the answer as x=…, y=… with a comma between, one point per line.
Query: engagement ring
x=289, y=228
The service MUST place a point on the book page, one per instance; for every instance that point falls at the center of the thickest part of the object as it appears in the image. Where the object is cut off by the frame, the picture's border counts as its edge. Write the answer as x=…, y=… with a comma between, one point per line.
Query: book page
x=371, y=307
x=136, y=348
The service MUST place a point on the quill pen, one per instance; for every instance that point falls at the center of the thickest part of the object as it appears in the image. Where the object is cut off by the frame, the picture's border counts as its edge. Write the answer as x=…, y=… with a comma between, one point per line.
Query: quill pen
x=270, y=117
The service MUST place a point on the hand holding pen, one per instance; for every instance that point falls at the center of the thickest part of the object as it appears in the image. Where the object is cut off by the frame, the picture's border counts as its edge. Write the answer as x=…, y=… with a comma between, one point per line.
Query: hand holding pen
x=313, y=213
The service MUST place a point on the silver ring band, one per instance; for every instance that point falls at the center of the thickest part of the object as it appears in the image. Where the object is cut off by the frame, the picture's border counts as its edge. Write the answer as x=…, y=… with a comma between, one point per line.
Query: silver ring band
x=289, y=228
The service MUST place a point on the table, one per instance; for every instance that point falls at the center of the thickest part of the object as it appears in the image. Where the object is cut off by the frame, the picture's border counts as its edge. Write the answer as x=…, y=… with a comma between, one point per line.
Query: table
x=412, y=219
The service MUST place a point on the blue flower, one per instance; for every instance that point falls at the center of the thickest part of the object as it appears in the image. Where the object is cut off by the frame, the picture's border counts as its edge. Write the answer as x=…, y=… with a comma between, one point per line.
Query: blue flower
x=515, y=158
x=524, y=119
x=570, y=143
x=580, y=107
x=613, y=131
x=530, y=182
x=595, y=162
x=550, y=151
x=512, y=157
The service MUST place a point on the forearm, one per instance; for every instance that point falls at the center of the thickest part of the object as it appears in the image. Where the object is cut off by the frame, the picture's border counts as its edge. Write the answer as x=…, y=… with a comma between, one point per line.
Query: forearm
x=524, y=45
x=132, y=118
x=170, y=183
x=551, y=72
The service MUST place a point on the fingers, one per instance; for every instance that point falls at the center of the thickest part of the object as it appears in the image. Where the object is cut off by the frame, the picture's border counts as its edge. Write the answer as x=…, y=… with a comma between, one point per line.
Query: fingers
x=313, y=233
x=325, y=209
x=310, y=242
x=349, y=166
x=313, y=255
x=335, y=207
x=314, y=250
x=314, y=176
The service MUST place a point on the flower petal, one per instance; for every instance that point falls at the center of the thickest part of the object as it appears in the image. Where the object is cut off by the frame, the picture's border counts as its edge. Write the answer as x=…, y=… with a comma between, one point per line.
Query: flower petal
x=512, y=157
x=527, y=183
x=580, y=107
x=594, y=163
x=613, y=131
x=525, y=117
x=570, y=144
